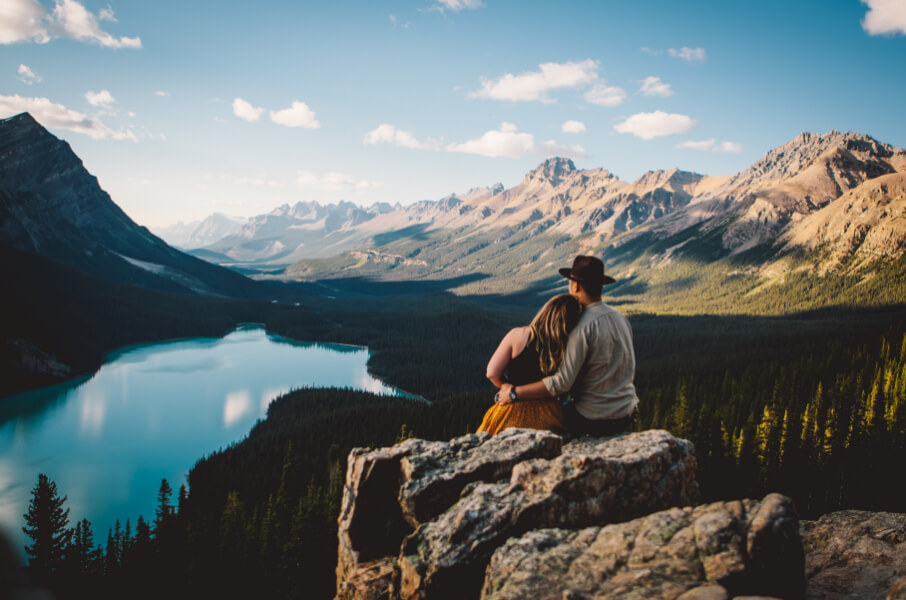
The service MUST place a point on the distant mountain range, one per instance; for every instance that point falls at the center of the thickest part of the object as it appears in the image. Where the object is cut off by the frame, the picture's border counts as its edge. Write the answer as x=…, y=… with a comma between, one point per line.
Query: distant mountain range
x=196, y=234
x=819, y=204
x=824, y=203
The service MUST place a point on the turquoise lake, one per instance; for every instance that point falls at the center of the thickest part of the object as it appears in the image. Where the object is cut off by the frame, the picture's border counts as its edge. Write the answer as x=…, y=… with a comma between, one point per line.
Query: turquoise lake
x=149, y=413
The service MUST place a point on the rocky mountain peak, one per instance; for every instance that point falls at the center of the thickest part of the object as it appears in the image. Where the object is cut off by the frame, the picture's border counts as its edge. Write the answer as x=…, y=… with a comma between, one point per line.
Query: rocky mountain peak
x=552, y=170
x=803, y=151
x=50, y=205
x=672, y=177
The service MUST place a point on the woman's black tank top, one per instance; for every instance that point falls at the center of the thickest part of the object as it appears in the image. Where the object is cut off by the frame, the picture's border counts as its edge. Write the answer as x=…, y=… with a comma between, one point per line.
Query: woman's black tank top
x=526, y=367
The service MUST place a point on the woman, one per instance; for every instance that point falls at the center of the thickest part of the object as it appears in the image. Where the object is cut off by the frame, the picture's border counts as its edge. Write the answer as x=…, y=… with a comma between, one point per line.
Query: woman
x=525, y=355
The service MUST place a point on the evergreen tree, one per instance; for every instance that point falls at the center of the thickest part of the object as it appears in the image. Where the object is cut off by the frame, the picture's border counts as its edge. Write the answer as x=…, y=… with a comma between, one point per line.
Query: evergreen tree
x=47, y=525
x=181, y=499
x=85, y=547
x=111, y=563
x=164, y=508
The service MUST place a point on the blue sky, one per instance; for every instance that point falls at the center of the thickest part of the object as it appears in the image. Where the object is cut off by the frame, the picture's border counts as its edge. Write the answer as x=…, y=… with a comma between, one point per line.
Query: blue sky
x=183, y=109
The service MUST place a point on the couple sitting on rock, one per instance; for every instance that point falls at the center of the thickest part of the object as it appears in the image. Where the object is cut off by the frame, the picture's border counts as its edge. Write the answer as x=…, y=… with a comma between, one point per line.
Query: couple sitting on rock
x=576, y=344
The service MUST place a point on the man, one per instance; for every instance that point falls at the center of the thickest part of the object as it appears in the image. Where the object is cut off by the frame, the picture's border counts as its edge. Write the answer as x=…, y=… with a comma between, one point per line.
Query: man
x=598, y=366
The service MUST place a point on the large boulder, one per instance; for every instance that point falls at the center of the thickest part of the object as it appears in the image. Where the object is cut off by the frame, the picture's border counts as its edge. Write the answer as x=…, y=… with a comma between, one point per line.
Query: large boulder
x=591, y=482
x=442, y=508
x=390, y=491
x=854, y=554
x=720, y=550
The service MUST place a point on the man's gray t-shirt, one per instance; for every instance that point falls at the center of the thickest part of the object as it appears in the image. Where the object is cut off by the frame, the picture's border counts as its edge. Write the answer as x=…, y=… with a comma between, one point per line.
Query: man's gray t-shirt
x=599, y=365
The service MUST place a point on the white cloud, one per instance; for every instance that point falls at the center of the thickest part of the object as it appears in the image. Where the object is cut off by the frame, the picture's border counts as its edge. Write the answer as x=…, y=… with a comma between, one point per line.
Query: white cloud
x=23, y=21
x=652, y=51
x=27, y=20
x=653, y=86
x=573, y=127
x=712, y=146
x=28, y=76
x=504, y=142
x=244, y=110
x=50, y=114
x=102, y=99
x=605, y=95
x=297, y=115
x=458, y=5
x=389, y=134
x=76, y=22
x=162, y=93
x=507, y=142
x=655, y=124
x=334, y=182
x=534, y=86
x=885, y=17
x=688, y=54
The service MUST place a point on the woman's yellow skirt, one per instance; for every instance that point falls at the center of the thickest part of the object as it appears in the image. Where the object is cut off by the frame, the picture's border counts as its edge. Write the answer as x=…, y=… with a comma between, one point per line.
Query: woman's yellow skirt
x=545, y=413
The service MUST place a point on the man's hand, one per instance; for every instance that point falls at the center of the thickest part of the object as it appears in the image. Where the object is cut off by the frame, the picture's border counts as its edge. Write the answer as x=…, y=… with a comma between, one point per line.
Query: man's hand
x=503, y=396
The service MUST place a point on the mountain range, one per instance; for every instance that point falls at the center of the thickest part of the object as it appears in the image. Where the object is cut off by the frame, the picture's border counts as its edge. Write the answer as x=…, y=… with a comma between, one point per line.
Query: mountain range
x=196, y=234
x=821, y=203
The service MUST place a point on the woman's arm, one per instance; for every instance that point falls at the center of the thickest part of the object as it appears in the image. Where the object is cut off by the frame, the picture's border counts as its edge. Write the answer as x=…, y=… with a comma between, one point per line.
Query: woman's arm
x=511, y=345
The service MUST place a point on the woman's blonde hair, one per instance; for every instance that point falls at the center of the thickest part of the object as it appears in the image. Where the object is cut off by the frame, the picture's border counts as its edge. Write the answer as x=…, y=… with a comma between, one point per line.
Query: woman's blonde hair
x=550, y=329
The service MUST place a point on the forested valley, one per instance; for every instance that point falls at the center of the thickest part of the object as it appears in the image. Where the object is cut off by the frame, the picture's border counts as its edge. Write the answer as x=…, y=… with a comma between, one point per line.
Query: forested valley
x=809, y=404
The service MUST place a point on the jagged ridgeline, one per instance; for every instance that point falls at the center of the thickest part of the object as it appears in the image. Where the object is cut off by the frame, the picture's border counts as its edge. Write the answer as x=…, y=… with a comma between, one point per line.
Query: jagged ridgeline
x=820, y=211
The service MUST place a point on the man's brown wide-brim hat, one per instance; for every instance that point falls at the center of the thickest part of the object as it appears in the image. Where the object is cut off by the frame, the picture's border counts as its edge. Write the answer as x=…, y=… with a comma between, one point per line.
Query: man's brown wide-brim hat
x=587, y=269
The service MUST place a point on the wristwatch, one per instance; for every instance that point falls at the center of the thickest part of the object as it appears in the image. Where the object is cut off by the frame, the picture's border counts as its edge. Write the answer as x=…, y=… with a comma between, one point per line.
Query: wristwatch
x=513, y=397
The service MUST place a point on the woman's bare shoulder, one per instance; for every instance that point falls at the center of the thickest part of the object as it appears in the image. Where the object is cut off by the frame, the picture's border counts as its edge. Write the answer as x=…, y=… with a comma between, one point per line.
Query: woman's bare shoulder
x=517, y=337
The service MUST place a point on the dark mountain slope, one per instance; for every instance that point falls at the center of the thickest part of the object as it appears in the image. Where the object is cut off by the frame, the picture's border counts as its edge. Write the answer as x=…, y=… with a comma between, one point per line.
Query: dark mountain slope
x=51, y=206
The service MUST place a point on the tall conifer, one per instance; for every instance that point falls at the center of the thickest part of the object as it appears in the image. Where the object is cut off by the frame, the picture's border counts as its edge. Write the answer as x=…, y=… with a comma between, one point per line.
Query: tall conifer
x=47, y=525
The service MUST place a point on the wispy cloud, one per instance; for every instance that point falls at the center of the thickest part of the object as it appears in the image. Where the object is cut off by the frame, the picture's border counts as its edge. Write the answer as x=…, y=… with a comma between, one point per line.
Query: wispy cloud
x=334, y=182
x=162, y=93
x=245, y=110
x=573, y=127
x=885, y=17
x=655, y=124
x=106, y=14
x=297, y=115
x=688, y=54
x=389, y=134
x=29, y=21
x=404, y=25
x=651, y=51
x=55, y=115
x=605, y=95
x=458, y=5
x=653, y=86
x=535, y=85
x=28, y=76
x=712, y=146
x=102, y=99
x=551, y=148
x=251, y=181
